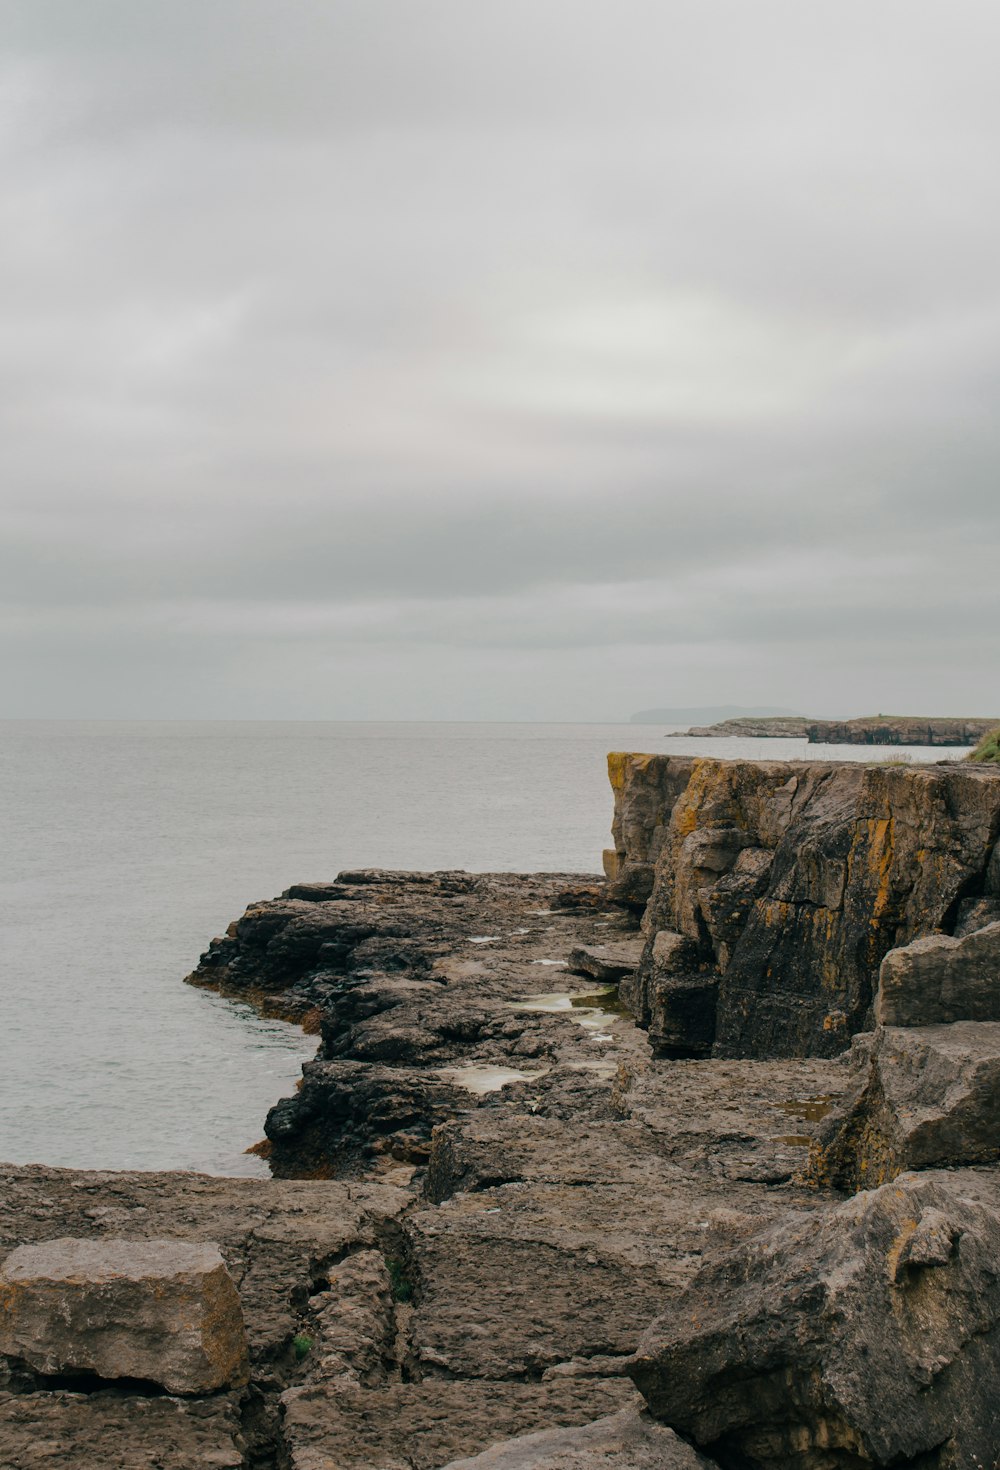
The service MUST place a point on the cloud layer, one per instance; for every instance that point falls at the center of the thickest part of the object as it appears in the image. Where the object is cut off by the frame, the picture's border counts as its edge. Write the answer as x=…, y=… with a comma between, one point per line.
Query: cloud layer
x=548, y=360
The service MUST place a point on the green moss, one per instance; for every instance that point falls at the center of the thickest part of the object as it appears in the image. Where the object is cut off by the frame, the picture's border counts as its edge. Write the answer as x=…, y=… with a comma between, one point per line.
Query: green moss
x=988, y=748
x=301, y=1346
x=402, y=1286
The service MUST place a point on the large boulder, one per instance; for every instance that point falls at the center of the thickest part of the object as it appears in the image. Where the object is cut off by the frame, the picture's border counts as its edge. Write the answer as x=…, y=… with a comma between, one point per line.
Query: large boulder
x=628, y=1440
x=940, y=979
x=866, y=1336
x=931, y=1097
x=163, y=1311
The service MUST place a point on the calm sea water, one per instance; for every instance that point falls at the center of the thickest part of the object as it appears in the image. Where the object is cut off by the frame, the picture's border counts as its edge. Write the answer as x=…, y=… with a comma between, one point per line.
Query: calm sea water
x=126, y=847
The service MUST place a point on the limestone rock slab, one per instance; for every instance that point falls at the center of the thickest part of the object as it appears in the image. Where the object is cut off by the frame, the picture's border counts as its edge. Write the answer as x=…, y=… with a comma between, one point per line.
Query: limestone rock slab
x=105, y=1431
x=628, y=1440
x=166, y=1311
x=866, y=1336
x=931, y=1097
x=939, y=979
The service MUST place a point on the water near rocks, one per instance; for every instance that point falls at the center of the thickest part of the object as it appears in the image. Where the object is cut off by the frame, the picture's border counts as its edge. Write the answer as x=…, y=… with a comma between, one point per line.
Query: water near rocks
x=128, y=845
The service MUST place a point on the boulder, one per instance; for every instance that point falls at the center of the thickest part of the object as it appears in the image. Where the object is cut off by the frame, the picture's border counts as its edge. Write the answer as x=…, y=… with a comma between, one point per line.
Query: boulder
x=866, y=1336
x=931, y=1097
x=940, y=979
x=164, y=1311
x=628, y=1440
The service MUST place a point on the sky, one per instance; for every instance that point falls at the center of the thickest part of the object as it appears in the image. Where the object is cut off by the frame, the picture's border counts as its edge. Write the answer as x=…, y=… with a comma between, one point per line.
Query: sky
x=548, y=360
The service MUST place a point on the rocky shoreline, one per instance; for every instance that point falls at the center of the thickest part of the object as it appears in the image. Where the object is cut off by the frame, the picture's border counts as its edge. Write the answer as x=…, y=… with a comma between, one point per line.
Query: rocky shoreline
x=575, y=1166
x=869, y=730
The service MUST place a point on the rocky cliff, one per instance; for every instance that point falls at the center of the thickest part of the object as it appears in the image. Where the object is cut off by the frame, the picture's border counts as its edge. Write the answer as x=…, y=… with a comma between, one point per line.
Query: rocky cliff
x=770, y=891
x=898, y=730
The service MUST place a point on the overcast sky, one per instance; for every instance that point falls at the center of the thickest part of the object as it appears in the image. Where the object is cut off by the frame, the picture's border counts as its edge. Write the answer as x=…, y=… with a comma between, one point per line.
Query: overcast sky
x=537, y=360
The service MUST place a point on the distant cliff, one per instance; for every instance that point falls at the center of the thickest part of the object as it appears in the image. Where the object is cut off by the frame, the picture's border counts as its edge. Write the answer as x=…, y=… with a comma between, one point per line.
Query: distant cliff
x=771, y=890
x=870, y=730
x=898, y=730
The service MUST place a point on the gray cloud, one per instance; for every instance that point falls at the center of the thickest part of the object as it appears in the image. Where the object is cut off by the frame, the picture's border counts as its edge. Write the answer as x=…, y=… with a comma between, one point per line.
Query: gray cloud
x=552, y=359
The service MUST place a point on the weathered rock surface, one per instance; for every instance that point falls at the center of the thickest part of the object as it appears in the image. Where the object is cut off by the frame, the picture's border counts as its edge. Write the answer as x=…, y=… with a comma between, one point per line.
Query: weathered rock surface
x=759, y=727
x=628, y=1440
x=109, y=1431
x=162, y=1310
x=868, y=1336
x=940, y=979
x=869, y=730
x=931, y=1097
x=790, y=881
x=898, y=730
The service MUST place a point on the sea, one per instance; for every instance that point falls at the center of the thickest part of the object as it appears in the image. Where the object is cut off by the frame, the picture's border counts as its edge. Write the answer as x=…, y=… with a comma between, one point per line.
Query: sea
x=127, y=845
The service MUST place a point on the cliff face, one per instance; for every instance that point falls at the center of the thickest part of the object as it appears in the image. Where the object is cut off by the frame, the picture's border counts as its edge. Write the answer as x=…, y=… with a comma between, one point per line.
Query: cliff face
x=897, y=730
x=776, y=888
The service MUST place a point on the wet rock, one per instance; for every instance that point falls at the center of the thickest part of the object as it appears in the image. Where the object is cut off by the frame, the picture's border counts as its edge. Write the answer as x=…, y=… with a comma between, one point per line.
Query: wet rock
x=940, y=979
x=868, y=1336
x=628, y=1440
x=931, y=1097
x=345, y=1107
x=165, y=1311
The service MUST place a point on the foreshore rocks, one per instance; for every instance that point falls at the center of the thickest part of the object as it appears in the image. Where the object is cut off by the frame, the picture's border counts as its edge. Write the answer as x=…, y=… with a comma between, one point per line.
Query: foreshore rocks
x=565, y=1185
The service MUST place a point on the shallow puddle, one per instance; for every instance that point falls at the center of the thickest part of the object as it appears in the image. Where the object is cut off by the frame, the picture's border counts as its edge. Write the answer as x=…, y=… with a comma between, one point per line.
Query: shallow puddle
x=809, y=1109
x=484, y=938
x=595, y=1011
x=481, y=1080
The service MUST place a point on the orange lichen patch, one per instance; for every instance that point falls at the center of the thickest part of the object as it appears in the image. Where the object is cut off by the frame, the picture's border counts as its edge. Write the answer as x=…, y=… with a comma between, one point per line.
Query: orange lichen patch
x=262, y=1150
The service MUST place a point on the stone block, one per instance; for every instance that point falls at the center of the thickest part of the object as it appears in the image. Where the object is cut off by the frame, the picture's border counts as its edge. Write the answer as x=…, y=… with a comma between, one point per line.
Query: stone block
x=866, y=1336
x=164, y=1311
x=931, y=1098
x=937, y=980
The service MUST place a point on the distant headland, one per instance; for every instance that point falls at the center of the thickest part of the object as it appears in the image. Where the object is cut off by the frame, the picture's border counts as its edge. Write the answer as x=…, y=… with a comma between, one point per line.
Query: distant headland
x=869, y=730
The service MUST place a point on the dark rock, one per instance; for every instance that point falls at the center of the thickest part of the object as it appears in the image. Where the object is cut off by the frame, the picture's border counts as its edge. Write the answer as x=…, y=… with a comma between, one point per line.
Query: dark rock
x=869, y=1336
x=792, y=881
x=898, y=730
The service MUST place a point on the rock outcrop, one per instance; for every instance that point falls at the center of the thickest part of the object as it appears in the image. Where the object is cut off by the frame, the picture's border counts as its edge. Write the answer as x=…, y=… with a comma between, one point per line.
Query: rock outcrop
x=870, y=1336
x=787, y=884
x=898, y=730
x=165, y=1311
x=869, y=730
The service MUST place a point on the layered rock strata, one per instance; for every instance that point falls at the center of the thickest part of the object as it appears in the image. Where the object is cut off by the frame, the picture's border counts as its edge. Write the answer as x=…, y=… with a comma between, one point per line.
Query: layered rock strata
x=869, y=730
x=775, y=889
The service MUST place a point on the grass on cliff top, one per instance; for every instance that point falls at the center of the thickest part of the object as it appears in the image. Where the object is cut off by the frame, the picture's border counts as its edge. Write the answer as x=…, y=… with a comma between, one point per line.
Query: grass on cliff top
x=988, y=748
